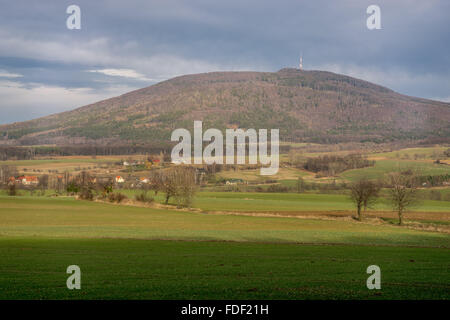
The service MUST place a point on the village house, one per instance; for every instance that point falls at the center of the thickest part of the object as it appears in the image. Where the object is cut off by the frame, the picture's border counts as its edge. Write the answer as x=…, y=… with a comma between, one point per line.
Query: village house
x=119, y=179
x=152, y=163
x=132, y=163
x=28, y=180
x=144, y=180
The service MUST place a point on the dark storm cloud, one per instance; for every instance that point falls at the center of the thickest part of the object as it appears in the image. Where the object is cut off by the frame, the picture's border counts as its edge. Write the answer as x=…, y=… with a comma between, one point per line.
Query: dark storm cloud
x=127, y=45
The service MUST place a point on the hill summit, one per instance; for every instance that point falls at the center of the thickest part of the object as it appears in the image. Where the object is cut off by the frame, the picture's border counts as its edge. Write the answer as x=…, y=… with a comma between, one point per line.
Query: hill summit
x=314, y=106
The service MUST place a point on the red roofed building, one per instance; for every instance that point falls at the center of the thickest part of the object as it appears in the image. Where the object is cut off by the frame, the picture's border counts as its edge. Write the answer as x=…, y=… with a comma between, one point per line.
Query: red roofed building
x=29, y=180
x=144, y=180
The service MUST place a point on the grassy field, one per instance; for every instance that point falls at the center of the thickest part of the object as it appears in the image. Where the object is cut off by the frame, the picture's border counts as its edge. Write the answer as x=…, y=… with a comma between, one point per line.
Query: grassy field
x=45, y=217
x=128, y=252
x=378, y=171
x=34, y=268
x=292, y=202
x=382, y=167
x=67, y=163
x=273, y=202
x=425, y=153
x=232, y=245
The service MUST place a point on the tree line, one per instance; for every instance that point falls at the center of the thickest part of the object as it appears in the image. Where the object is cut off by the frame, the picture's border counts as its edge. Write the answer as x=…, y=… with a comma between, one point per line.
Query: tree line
x=29, y=153
x=330, y=165
x=179, y=183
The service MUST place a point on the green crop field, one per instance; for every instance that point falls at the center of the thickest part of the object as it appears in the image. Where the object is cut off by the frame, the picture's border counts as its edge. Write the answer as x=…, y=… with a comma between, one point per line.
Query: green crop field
x=426, y=153
x=46, y=217
x=289, y=202
x=383, y=167
x=132, y=252
x=34, y=268
x=261, y=202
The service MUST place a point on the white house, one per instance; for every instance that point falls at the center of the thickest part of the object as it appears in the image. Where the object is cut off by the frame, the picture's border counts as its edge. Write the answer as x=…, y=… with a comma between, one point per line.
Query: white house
x=120, y=179
x=144, y=180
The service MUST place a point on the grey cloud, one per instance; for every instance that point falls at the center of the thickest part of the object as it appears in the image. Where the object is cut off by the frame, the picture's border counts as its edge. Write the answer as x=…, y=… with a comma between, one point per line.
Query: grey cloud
x=162, y=39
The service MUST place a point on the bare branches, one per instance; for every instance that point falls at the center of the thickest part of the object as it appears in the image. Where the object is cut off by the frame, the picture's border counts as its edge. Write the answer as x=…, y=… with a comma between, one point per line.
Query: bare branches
x=403, y=192
x=6, y=173
x=178, y=183
x=363, y=193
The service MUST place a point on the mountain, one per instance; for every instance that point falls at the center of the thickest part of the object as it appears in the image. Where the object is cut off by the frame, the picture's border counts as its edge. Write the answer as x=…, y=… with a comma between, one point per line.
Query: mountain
x=313, y=106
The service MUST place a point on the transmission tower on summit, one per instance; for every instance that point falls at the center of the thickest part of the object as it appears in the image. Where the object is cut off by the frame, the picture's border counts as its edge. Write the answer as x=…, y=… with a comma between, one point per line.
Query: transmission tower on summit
x=300, y=66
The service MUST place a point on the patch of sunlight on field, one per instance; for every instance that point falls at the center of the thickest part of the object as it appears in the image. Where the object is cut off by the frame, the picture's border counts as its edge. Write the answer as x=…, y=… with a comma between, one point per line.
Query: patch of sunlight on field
x=287, y=202
x=428, y=153
x=256, y=201
x=383, y=167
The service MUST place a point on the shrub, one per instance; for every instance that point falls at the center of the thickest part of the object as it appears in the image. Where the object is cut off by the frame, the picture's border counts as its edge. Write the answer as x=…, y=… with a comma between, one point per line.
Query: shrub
x=86, y=194
x=143, y=197
x=332, y=165
x=277, y=188
x=72, y=188
x=12, y=190
x=435, y=195
x=116, y=197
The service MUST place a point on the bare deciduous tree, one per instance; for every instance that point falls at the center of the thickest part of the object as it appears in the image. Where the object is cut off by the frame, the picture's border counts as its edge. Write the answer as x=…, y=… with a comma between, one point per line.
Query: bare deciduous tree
x=403, y=192
x=43, y=183
x=59, y=184
x=178, y=183
x=12, y=188
x=86, y=183
x=6, y=172
x=156, y=181
x=363, y=193
x=104, y=185
x=186, y=186
x=300, y=185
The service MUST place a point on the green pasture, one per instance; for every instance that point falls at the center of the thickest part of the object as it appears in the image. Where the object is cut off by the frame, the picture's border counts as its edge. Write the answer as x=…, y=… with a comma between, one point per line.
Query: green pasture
x=259, y=201
x=383, y=167
x=274, y=202
x=285, y=202
x=61, y=218
x=424, y=153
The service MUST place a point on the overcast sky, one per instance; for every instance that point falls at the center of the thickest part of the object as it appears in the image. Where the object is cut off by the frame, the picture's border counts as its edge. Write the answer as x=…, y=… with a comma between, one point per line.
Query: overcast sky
x=125, y=45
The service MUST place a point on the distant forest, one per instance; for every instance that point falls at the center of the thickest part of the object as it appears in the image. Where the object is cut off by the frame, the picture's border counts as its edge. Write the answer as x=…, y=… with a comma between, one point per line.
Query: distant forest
x=28, y=153
x=31, y=152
